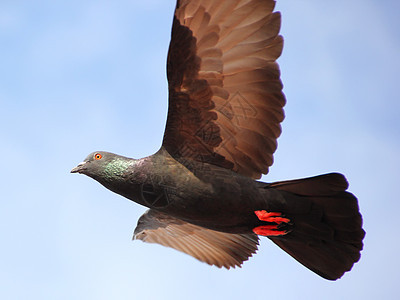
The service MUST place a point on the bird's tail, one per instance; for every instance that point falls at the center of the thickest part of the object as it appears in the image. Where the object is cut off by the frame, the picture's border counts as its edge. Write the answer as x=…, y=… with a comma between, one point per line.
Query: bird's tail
x=327, y=233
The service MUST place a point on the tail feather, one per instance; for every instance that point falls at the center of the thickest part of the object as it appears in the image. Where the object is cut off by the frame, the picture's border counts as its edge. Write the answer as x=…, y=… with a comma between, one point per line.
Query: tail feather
x=320, y=185
x=327, y=228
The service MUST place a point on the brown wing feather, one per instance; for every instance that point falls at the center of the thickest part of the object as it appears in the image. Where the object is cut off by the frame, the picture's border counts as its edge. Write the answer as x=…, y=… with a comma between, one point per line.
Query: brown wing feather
x=212, y=247
x=225, y=94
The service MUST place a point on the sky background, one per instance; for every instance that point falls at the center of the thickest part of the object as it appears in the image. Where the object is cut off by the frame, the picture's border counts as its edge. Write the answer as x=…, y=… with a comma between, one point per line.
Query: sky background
x=80, y=76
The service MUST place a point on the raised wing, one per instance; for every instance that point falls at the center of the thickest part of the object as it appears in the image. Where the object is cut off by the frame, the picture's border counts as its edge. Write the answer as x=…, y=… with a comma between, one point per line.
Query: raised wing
x=212, y=247
x=225, y=94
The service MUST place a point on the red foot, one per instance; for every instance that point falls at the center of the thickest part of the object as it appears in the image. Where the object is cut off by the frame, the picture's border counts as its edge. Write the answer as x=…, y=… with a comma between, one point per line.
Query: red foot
x=271, y=217
x=269, y=230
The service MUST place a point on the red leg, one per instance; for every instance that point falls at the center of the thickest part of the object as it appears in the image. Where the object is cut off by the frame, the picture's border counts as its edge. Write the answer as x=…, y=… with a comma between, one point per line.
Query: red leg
x=272, y=217
x=272, y=229
x=269, y=230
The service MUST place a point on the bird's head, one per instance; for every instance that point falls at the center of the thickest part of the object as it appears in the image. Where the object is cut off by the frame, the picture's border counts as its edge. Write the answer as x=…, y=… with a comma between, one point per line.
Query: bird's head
x=94, y=163
x=101, y=164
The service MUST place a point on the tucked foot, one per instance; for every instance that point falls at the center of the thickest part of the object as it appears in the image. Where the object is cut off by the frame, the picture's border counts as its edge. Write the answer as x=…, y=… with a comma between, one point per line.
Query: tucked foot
x=272, y=217
x=277, y=229
x=269, y=230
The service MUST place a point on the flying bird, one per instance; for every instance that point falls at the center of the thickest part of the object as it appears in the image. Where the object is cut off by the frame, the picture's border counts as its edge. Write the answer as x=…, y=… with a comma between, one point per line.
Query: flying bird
x=225, y=109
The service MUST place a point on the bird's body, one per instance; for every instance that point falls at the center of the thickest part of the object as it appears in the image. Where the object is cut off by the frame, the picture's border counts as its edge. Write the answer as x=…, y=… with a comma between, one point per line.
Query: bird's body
x=206, y=195
x=225, y=108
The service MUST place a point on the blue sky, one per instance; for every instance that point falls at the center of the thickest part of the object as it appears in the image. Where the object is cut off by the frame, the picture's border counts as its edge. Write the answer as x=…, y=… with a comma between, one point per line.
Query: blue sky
x=80, y=76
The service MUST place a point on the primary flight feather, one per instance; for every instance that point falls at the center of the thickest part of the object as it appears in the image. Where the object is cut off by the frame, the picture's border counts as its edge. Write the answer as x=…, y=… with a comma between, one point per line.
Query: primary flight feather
x=225, y=109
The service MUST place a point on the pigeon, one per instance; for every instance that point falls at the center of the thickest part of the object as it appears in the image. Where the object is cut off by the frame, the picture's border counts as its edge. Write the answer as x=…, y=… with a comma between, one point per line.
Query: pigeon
x=225, y=109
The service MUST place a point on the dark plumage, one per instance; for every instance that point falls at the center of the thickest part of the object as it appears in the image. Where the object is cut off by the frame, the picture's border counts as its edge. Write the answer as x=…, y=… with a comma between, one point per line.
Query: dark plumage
x=225, y=108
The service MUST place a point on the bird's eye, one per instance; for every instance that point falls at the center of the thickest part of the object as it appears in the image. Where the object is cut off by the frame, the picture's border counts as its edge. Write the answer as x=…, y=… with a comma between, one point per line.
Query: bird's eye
x=97, y=156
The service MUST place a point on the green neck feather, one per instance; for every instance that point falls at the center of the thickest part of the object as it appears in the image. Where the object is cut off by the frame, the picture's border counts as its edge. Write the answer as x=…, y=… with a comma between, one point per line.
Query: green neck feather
x=117, y=168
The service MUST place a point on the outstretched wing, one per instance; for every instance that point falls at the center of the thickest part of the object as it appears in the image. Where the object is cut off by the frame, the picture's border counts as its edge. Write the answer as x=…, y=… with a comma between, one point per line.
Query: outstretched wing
x=212, y=247
x=225, y=94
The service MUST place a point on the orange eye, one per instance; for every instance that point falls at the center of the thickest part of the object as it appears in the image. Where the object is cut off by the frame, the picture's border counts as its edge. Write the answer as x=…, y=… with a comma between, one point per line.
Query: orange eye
x=97, y=156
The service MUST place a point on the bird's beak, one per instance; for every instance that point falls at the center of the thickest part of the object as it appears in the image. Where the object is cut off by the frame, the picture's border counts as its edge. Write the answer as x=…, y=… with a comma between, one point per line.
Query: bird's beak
x=79, y=168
